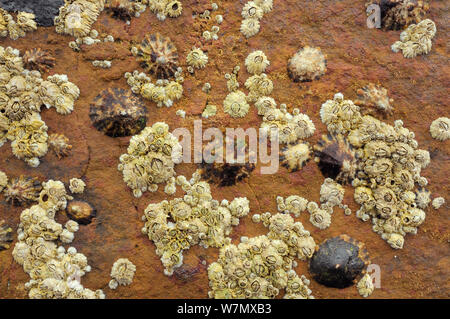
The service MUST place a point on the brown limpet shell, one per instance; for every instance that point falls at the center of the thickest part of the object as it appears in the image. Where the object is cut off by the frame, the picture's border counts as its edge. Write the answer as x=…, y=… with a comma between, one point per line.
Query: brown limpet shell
x=118, y=112
x=38, y=59
x=158, y=56
x=22, y=190
x=6, y=235
x=80, y=211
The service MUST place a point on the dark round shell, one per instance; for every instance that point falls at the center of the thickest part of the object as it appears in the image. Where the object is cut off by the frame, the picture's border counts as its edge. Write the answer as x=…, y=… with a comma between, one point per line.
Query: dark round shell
x=44, y=10
x=120, y=9
x=339, y=262
x=118, y=112
x=158, y=55
x=80, y=211
x=333, y=154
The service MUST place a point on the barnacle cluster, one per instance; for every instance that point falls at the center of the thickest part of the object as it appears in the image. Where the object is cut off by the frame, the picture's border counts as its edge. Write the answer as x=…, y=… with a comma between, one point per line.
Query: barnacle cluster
x=150, y=160
x=388, y=165
x=162, y=92
x=76, y=17
x=260, y=267
x=374, y=98
x=38, y=59
x=252, y=12
x=54, y=271
x=397, y=14
x=118, y=112
x=22, y=92
x=205, y=19
x=438, y=202
x=59, y=144
x=91, y=39
x=122, y=273
x=259, y=85
x=157, y=55
x=6, y=235
x=196, y=218
x=164, y=8
x=293, y=204
x=440, y=128
x=9, y=27
x=125, y=9
x=365, y=286
x=22, y=190
x=196, y=58
x=307, y=64
x=416, y=39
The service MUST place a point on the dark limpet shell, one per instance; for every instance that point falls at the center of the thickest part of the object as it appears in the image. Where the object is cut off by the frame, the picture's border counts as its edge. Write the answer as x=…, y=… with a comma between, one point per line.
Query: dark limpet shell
x=118, y=112
x=339, y=262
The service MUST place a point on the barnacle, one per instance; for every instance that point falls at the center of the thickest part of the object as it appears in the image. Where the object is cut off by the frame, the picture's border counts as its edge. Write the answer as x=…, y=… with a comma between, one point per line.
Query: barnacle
x=295, y=156
x=59, y=144
x=256, y=62
x=197, y=58
x=150, y=159
x=174, y=9
x=320, y=219
x=293, y=204
x=374, y=97
x=331, y=192
x=265, y=5
x=251, y=10
x=38, y=59
x=226, y=172
x=250, y=27
x=235, y=104
x=416, y=39
x=210, y=110
x=122, y=273
x=339, y=262
x=307, y=64
x=157, y=55
x=22, y=190
x=423, y=198
x=335, y=158
x=118, y=112
x=438, y=202
x=76, y=185
x=258, y=85
x=6, y=235
x=440, y=128
x=365, y=286
x=396, y=14
x=3, y=180
x=81, y=211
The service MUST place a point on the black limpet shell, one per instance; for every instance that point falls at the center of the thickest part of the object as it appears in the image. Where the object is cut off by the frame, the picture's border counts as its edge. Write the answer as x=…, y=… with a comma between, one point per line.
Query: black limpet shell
x=339, y=262
x=118, y=112
x=44, y=10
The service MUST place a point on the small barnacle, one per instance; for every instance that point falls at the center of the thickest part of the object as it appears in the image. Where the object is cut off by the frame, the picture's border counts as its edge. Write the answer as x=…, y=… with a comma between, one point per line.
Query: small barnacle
x=303, y=126
x=423, y=198
x=118, y=112
x=265, y=5
x=339, y=262
x=3, y=181
x=295, y=156
x=206, y=87
x=235, y=104
x=438, y=202
x=259, y=85
x=158, y=55
x=395, y=240
x=320, y=219
x=80, y=211
x=122, y=272
x=250, y=27
x=307, y=64
x=365, y=286
x=251, y=10
x=76, y=185
x=374, y=97
x=256, y=62
x=440, y=128
x=295, y=204
x=6, y=235
x=38, y=59
x=174, y=9
x=335, y=158
x=197, y=58
x=22, y=190
x=59, y=144
x=265, y=103
x=331, y=192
